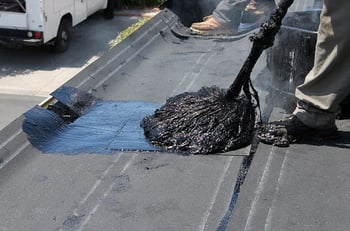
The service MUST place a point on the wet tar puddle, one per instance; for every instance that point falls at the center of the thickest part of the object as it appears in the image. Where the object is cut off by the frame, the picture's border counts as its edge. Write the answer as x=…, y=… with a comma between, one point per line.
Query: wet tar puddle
x=105, y=128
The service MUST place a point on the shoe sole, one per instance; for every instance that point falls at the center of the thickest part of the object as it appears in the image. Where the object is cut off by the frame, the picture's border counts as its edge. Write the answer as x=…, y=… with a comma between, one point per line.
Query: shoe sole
x=282, y=139
x=182, y=32
x=225, y=32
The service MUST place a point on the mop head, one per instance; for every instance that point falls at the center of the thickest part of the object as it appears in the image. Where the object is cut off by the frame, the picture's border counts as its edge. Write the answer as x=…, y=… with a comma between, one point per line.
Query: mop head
x=213, y=120
x=202, y=122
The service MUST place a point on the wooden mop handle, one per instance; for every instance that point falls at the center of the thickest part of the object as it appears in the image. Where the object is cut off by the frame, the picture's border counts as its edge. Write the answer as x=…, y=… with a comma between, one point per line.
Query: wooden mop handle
x=262, y=40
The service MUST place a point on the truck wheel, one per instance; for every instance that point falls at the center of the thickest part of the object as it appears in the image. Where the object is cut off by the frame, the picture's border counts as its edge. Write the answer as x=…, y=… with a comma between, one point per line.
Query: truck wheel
x=64, y=36
x=108, y=13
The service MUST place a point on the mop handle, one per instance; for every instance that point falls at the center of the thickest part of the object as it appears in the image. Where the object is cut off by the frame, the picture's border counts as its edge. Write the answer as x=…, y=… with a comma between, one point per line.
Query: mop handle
x=262, y=40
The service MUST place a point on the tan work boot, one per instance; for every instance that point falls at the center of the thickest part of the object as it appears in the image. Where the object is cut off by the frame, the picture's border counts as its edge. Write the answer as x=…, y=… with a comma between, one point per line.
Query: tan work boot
x=210, y=26
x=290, y=130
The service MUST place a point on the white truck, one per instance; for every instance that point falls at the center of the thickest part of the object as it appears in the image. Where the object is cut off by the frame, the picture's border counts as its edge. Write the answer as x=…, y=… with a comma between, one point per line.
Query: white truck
x=39, y=22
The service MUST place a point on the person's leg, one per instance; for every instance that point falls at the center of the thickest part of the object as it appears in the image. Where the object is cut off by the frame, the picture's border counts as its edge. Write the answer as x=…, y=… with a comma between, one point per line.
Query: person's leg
x=229, y=12
x=325, y=86
x=328, y=83
x=224, y=20
x=227, y=16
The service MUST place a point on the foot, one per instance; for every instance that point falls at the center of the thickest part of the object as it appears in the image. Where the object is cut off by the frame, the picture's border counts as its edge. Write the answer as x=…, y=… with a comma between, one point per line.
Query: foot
x=257, y=12
x=290, y=130
x=210, y=26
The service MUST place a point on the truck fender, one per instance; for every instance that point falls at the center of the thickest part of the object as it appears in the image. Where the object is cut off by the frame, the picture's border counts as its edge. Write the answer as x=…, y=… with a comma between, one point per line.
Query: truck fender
x=64, y=35
x=108, y=13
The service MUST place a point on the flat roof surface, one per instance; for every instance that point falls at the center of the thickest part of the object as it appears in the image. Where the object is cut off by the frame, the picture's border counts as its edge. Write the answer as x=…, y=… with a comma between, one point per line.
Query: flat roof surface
x=303, y=187
x=128, y=190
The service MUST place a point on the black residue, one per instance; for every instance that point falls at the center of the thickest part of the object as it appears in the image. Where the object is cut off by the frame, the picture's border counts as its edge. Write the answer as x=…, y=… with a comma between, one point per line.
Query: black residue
x=67, y=114
x=156, y=166
x=76, y=100
x=201, y=122
x=162, y=33
x=236, y=190
x=213, y=120
x=72, y=221
x=122, y=183
x=149, y=163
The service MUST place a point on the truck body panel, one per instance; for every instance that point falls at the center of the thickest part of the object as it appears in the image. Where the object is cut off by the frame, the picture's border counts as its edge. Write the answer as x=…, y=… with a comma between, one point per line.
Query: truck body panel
x=43, y=16
x=13, y=20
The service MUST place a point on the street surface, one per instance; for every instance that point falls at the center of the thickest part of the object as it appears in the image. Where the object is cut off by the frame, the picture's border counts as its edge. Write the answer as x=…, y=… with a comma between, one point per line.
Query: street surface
x=28, y=75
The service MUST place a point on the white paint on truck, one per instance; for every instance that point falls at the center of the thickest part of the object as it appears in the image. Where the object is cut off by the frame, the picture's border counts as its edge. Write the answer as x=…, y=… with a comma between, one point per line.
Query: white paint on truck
x=37, y=22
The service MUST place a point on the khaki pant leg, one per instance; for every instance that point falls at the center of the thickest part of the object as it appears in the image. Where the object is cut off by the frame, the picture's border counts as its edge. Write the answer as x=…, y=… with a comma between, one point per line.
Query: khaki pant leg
x=328, y=83
x=228, y=12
